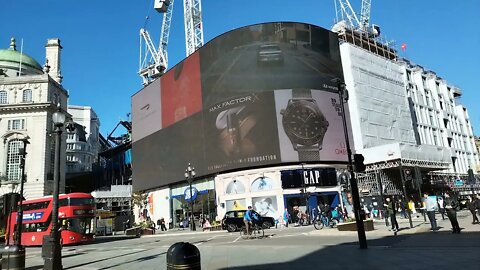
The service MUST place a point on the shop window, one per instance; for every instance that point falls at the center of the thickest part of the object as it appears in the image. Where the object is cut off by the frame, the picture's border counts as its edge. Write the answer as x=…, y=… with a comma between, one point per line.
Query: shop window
x=261, y=184
x=235, y=187
x=235, y=205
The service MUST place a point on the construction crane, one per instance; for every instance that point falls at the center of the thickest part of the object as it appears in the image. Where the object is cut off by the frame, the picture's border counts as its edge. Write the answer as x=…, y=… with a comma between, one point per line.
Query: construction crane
x=154, y=61
x=347, y=18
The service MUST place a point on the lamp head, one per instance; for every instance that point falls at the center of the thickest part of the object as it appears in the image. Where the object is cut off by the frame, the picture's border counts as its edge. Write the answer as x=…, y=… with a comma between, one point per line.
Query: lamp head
x=58, y=118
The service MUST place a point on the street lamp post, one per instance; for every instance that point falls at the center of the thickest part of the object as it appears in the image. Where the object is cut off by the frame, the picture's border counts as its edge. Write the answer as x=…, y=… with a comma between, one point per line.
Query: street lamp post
x=23, y=152
x=51, y=249
x=189, y=176
x=343, y=96
x=14, y=255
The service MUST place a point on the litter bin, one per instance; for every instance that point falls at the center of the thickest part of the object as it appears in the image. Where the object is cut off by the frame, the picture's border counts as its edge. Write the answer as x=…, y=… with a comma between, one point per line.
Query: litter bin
x=13, y=257
x=183, y=255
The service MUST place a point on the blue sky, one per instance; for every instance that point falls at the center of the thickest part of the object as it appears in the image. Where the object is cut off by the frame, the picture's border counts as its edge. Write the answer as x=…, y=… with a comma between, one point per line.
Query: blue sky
x=100, y=39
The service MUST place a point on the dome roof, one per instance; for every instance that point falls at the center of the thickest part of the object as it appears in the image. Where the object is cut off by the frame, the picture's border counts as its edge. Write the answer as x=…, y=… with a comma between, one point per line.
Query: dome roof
x=14, y=56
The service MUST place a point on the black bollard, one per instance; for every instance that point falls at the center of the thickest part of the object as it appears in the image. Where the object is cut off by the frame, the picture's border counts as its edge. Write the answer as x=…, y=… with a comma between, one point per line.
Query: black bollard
x=13, y=257
x=183, y=255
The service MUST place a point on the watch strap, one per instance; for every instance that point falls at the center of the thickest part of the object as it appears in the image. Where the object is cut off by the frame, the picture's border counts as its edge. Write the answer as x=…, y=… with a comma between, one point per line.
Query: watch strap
x=308, y=153
x=301, y=93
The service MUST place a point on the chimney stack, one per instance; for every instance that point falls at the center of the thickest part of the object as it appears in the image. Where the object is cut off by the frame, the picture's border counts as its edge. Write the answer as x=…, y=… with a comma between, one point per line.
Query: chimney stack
x=53, y=49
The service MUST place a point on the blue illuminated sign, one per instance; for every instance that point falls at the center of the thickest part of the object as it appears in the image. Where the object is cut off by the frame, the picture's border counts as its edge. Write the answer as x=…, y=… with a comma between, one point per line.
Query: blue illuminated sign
x=187, y=194
x=33, y=216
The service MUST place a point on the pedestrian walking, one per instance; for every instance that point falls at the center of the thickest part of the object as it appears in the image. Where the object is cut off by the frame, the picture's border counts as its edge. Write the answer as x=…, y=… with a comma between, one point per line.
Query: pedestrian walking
x=286, y=217
x=441, y=206
x=451, y=205
x=472, y=206
x=392, y=212
x=159, y=224
x=411, y=207
x=431, y=206
x=162, y=224
x=477, y=203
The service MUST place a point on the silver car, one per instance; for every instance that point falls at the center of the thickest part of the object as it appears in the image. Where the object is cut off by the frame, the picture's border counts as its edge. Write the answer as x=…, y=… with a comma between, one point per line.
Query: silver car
x=269, y=53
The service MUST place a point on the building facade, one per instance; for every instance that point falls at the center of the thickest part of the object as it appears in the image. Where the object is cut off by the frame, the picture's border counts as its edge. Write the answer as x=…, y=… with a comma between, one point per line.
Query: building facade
x=408, y=122
x=83, y=144
x=409, y=139
x=29, y=95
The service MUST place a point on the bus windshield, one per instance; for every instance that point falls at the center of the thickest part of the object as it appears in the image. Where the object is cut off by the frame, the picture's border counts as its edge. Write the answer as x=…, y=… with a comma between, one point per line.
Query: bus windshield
x=78, y=225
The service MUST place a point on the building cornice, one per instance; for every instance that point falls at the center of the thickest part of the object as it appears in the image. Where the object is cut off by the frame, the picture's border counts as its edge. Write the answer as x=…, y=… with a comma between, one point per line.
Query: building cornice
x=26, y=107
x=24, y=79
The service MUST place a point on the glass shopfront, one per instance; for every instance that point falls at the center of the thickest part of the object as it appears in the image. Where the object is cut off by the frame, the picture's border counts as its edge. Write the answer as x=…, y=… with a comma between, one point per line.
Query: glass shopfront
x=204, y=204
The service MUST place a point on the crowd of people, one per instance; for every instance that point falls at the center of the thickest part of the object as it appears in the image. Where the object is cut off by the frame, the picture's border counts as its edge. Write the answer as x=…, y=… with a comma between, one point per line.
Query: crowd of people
x=446, y=205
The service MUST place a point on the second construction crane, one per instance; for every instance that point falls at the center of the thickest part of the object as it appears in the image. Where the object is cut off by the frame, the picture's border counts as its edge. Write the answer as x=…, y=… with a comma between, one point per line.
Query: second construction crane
x=347, y=18
x=154, y=60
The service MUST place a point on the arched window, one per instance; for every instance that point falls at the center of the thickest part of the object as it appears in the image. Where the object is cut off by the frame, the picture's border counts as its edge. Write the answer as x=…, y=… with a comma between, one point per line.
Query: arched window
x=3, y=97
x=13, y=160
x=27, y=95
x=235, y=187
x=262, y=184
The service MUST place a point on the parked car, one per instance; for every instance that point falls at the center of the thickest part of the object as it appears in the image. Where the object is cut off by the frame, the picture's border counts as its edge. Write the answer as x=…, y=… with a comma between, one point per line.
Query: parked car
x=233, y=220
x=269, y=53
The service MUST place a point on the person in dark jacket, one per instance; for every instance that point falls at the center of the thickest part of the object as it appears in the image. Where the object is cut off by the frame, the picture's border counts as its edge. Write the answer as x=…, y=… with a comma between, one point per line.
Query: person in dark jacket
x=392, y=212
x=451, y=205
x=472, y=206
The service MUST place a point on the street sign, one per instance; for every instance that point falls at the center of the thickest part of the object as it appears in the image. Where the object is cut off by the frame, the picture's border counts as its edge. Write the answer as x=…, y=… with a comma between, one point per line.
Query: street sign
x=187, y=194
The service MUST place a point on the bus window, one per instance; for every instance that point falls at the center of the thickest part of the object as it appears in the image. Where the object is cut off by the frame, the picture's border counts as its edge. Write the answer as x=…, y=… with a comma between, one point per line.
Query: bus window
x=80, y=225
x=80, y=201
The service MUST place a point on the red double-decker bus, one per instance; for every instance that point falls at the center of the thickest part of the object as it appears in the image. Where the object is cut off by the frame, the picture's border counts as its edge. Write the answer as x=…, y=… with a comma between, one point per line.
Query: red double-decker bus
x=75, y=214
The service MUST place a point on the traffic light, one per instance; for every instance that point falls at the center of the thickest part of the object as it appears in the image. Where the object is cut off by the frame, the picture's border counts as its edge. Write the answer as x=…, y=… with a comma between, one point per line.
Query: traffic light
x=358, y=162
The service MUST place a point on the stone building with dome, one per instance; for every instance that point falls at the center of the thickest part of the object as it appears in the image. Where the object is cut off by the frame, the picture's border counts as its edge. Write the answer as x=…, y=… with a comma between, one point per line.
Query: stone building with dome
x=29, y=95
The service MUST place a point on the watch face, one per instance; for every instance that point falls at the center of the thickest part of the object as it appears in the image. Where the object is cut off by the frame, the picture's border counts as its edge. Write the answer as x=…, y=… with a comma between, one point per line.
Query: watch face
x=304, y=123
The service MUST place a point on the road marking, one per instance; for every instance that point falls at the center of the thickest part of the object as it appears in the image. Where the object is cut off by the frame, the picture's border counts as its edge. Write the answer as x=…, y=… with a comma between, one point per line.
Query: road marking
x=211, y=238
x=305, y=233
x=236, y=239
x=306, y=63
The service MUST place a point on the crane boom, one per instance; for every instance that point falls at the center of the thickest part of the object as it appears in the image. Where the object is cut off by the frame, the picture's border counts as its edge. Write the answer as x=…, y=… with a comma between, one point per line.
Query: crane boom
x=193, y=25
x=166, y=22
x=365, y=14
x=153, y=61
x=347, y=11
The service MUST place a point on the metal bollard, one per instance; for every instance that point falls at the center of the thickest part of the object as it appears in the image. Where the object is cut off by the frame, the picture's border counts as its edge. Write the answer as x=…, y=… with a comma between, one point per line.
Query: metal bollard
x=13, y=257
x=183, y=255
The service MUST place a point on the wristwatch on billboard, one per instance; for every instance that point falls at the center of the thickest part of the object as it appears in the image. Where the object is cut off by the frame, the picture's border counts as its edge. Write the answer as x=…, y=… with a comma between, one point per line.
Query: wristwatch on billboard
x=304, y=124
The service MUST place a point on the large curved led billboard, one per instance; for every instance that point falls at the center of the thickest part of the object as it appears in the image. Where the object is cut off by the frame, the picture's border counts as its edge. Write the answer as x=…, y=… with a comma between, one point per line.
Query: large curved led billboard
x=259, y=95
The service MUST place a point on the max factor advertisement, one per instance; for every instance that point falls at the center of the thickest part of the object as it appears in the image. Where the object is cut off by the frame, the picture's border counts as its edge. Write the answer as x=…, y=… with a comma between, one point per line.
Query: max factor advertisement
x=241, y=132
x=258, y=95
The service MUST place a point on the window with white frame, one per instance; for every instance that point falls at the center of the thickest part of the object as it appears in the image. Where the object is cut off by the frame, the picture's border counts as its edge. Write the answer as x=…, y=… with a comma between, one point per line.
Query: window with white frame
x=13, y=160
x=71, y=136
x=27, y=95
x=3, y=97
x=16, y=124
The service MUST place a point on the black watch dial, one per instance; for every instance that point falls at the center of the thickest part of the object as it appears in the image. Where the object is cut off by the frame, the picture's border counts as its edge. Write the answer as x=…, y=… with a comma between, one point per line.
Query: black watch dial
x=304, y=123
